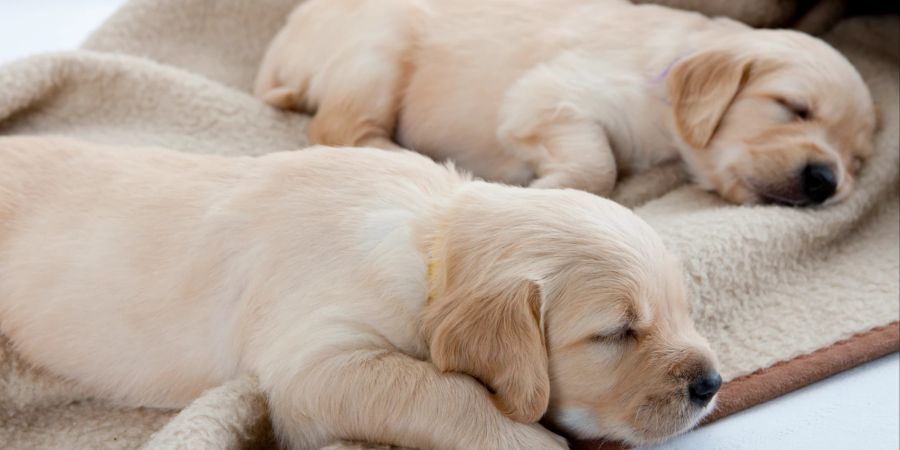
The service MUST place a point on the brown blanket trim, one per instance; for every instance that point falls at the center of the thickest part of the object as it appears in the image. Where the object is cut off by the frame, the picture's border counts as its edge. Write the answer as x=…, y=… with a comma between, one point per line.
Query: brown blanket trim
x=786, y=376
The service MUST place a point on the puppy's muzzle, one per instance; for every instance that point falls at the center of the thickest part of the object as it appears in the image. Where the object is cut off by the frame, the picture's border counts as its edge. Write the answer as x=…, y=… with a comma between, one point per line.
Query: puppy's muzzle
x=814, y=184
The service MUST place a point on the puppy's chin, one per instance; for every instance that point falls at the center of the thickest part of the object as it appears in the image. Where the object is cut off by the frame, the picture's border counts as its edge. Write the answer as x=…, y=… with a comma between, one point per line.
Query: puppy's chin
x=734, y=189
x=742, y=189
x=720, y=174
x=657, y=426
x=743, y=192
x=739, y=193
x=750, y=192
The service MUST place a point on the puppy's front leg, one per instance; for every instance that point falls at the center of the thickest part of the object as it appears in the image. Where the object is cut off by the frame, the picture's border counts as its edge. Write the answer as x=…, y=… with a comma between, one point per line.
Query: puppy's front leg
x=543, y=122
x=574, y=155
x=382, y=396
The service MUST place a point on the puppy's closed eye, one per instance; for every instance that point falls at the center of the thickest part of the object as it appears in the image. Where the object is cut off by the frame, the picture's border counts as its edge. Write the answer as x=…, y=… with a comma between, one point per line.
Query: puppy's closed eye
x=621, y=335
x=798, y=110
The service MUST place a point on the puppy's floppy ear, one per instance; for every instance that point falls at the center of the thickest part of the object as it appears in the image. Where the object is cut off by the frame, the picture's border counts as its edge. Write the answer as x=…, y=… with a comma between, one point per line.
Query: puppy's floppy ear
x=494, y=333
x=701, y=88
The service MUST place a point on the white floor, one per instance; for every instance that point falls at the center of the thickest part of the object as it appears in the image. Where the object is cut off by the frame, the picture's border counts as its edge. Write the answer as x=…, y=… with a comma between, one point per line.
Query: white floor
x=30, y=26
x=858, y=409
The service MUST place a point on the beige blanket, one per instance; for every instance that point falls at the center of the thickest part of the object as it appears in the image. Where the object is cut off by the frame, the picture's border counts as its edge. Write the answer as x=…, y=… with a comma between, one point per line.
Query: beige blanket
x=769, y=283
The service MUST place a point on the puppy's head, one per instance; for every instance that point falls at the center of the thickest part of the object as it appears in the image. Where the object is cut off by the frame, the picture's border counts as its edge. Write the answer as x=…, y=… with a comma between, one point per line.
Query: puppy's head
x=565, y=302
x=772, y=116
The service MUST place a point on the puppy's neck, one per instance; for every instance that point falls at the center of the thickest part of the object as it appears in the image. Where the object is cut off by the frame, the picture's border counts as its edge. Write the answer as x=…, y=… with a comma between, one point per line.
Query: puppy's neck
x=434, y=267
x=432, y=240
x=663, y=76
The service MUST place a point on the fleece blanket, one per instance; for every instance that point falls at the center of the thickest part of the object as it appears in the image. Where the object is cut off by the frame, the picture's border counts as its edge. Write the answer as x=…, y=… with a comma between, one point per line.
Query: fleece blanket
x=786, y=296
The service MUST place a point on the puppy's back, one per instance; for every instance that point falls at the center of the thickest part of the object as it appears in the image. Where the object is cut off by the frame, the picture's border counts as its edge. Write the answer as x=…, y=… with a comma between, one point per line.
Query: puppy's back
x=66, y=174
x=70, y=177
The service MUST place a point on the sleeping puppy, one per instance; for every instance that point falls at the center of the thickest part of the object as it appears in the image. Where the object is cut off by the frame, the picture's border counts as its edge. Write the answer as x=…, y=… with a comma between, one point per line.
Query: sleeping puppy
x=376, y=295
x=573, y=93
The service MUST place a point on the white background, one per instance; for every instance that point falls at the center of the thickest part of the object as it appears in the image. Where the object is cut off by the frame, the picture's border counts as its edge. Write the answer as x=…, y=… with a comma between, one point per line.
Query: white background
x=858, y=409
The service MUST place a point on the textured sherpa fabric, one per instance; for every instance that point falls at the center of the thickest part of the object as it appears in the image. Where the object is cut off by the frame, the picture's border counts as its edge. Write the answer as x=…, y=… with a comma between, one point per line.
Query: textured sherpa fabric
x=230, y=416
x=768, y=283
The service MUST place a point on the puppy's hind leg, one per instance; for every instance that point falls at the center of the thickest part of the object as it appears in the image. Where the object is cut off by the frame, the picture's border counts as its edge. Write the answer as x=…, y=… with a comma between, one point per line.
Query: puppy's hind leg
x=362, y=116
x=348, y=61
x=565, y=152
x=364, y=85
x=547, y=126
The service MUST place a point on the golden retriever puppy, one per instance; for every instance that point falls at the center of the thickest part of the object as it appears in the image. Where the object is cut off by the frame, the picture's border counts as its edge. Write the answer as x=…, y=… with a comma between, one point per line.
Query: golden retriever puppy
x=572, y=93
x=376, y=295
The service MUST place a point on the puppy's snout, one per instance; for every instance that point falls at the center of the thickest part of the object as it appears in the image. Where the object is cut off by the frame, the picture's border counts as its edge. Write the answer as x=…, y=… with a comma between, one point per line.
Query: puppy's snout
x=819, y=183
x=704, y=388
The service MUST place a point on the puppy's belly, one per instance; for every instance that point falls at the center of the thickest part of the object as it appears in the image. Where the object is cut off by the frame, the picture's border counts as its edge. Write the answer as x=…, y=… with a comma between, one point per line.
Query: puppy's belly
x=472, y=146
x=127, y=368
x=126, y=339
x=449, y=112
x=481, y=163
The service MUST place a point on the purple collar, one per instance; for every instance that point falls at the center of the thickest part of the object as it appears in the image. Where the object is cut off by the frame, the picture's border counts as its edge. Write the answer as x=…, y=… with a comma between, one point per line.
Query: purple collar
x=665, y=73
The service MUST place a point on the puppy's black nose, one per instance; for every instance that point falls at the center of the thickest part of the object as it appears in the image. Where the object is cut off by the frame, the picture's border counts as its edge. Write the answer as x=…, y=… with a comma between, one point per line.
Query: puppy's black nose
x=819, y=183
x=702, y=390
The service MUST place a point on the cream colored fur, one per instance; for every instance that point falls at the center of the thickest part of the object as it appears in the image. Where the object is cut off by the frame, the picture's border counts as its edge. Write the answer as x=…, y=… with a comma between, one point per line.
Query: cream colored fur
x=574, y=93
x=365, y=290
